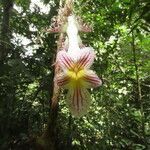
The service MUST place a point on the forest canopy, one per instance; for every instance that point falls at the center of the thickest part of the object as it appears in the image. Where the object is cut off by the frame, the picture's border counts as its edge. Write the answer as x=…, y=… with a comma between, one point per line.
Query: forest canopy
x=119, y=115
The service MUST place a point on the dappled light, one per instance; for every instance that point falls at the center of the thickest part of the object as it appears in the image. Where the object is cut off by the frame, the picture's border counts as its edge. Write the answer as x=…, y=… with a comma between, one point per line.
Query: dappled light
x=74, y=75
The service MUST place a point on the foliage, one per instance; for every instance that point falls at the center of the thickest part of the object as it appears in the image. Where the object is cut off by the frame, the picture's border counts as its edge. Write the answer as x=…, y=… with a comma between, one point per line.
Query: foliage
x=119, y=115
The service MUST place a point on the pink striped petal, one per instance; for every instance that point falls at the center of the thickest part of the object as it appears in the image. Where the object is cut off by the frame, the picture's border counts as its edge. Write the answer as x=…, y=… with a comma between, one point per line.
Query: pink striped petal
x=91, y=80
x=86, y=58
x=78, y=100
x=62, y=80
x=64, y=60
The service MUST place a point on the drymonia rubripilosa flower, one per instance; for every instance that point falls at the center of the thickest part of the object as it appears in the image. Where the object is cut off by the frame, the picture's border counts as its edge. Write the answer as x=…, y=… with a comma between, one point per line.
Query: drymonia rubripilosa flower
x=77, y=78
x=76, y=74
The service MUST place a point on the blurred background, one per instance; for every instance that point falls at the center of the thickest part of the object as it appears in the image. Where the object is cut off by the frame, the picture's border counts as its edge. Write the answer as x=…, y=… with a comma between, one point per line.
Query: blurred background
x=119, y=117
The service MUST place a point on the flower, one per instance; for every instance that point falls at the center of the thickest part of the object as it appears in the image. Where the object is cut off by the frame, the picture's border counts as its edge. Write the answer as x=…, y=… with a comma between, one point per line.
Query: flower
x=77, y=77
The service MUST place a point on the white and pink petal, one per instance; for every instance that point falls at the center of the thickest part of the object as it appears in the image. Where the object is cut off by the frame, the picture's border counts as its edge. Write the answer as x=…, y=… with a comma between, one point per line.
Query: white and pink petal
x=78, y=100
x=91, y=80
x=64, y=60
x=62, y=80
x=86, y=58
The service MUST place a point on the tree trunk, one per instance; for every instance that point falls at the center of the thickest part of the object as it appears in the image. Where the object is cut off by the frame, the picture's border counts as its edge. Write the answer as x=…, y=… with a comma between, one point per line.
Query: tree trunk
x=5, y=31
x=4, y=49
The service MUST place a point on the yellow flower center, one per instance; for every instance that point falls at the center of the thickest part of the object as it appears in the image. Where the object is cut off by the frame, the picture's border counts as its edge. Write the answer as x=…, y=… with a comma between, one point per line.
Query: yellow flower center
x=75, y=76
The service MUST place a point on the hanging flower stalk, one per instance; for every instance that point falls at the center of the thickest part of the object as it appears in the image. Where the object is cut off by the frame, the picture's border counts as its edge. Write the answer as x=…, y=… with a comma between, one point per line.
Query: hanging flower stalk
x=73, y=62
x=76, y=74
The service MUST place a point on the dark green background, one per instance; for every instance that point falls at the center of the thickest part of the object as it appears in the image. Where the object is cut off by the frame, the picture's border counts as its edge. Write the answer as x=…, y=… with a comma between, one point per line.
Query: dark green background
x=119, y=117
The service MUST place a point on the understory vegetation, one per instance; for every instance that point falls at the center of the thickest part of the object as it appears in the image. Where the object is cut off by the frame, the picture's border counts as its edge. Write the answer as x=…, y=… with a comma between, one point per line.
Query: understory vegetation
x=119, y=116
